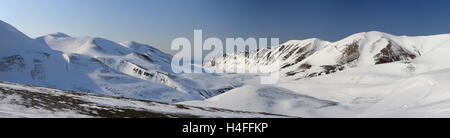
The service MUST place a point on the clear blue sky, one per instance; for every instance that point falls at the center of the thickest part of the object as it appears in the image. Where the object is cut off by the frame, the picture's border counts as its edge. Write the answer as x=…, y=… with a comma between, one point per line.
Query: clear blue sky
x=158, y=22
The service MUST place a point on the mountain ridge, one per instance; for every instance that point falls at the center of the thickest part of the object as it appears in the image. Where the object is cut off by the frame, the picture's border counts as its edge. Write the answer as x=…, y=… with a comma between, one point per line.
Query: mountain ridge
x=314, y=57
x=98, y=65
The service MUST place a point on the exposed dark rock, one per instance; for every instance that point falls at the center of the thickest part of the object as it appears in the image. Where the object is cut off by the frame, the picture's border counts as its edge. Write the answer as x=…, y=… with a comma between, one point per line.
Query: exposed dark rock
x=211, y=93
x=388, y=55
x=332, y=68
x=213, y=62
x=291, y=73
x=303, y=49
x=268, y=55
x=63, y=103
x=350, y=53
x=281, y=48
x=12, y=62
x=298, y=59
x=289, y=54
x=312, y=75
x=38, y=72
x=305, y=66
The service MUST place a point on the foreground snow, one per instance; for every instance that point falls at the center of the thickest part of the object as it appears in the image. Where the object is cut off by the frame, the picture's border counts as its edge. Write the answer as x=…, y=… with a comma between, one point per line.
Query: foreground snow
x=27, y=101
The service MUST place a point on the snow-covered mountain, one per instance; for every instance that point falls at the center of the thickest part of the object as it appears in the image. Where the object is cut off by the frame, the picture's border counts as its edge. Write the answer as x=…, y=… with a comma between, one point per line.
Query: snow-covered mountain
x=101, y=66
x=377, y=75
x=26, y=61
x=313, y=57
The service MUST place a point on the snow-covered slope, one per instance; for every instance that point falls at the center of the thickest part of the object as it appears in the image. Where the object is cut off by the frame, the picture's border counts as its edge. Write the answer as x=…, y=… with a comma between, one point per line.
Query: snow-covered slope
x=389, y=76
x=387, y=90
x=14, y=41
x=101, y=66
x=422, y=95
x=139, y=61
x=26, y=61
x=271, y=99
x=28, y=101
x=130, y=52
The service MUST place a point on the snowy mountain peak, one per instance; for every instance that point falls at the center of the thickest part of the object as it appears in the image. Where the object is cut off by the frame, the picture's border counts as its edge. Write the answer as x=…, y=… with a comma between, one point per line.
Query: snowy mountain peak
x=13, y=41
x=7, y=28
x=93, y=46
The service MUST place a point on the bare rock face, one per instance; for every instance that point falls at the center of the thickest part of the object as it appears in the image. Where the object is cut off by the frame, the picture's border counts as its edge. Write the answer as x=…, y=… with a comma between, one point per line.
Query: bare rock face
x=350, y=53
x=388, y=54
